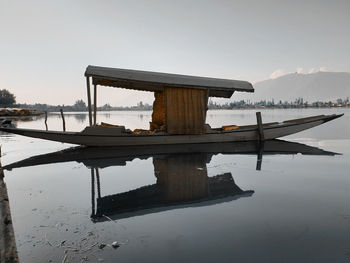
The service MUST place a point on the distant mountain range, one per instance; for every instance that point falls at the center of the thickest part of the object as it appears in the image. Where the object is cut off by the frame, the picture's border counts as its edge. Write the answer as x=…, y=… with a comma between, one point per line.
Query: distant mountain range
x=319, y=86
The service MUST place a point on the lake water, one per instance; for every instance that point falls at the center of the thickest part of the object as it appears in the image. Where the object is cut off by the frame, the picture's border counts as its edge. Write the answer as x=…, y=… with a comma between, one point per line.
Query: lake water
x=184, y=208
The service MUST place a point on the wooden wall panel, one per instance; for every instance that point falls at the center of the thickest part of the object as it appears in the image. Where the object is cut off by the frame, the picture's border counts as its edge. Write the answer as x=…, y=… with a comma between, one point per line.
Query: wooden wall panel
x=185, y=110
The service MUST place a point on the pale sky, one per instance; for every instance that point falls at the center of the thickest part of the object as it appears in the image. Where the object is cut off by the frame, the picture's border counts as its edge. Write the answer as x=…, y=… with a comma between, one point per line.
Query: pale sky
x=45, y=46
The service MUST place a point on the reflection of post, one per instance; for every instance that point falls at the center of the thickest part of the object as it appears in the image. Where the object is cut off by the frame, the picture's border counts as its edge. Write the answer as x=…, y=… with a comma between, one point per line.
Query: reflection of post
x=92, y=192
x=98, y=183
x=260, y=156
x=8, y=251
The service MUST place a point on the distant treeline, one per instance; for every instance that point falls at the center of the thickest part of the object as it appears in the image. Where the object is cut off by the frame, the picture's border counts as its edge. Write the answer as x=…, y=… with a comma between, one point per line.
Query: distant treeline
x=80, y=105
x=298, y=103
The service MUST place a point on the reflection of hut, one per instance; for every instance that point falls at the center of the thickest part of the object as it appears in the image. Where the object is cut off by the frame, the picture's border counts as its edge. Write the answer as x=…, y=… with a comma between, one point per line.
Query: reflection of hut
x=181, y=180
x=182, y=177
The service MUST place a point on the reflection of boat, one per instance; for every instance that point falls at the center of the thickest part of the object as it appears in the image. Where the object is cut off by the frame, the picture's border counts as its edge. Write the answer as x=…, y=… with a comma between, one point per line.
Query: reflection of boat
x=179, y=113
x=100, y=157
x=180, y=171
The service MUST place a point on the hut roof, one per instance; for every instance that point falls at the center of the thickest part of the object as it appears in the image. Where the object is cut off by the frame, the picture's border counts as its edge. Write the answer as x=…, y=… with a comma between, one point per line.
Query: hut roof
x=155, y=81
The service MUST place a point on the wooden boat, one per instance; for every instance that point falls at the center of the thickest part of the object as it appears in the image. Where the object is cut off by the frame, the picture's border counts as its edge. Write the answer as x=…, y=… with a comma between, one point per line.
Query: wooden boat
x=13, y=113
x=179, y=113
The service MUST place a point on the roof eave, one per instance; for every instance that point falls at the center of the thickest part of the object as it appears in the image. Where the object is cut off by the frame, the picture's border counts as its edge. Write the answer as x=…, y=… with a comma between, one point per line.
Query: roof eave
x=223, y=92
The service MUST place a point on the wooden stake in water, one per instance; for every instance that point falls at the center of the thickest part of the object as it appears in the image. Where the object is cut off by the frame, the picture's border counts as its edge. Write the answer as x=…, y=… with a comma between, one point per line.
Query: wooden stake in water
x=260, y=126
x=63, y=120
x=46, y=120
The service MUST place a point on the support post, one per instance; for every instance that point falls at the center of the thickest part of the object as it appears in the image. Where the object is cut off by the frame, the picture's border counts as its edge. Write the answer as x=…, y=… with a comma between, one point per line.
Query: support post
x=46, y=120
x=63, y=120
x=89, y=99
x=95, y=103
x=260, y=126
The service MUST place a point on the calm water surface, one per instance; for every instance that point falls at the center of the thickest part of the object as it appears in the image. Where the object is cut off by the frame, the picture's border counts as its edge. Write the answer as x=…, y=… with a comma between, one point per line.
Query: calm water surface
x=192, y=207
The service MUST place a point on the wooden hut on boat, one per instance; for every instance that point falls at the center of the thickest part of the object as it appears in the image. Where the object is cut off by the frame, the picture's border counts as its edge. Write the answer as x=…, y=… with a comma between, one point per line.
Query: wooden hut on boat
x=180, y=104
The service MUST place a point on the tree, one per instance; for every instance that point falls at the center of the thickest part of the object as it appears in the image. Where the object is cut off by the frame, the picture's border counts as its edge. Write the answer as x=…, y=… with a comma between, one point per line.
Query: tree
x=80, y=105
x=7, y=98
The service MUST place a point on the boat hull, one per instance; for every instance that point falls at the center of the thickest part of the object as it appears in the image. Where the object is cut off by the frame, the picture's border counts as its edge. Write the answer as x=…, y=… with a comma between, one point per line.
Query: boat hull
x=273, y=131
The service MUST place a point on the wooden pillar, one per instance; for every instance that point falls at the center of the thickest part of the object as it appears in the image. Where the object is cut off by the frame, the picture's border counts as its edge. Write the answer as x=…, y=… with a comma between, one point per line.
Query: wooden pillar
x=95, y=103
x=63, y=120
x=46, y=120
x=89, y=99
x=260, y=126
